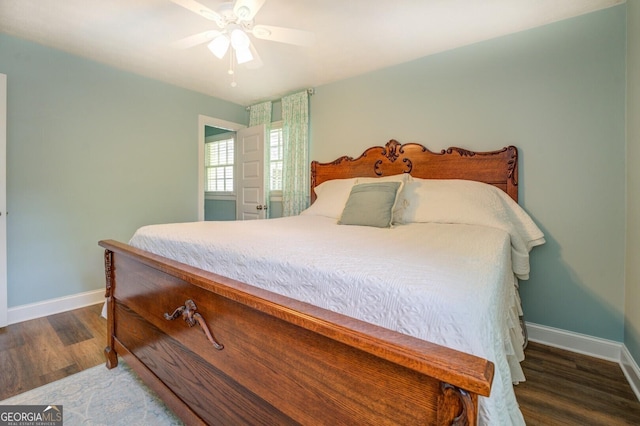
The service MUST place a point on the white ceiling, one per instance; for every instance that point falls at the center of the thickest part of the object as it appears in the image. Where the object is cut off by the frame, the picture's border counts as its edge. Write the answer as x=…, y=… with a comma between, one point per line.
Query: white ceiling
x=352, y=36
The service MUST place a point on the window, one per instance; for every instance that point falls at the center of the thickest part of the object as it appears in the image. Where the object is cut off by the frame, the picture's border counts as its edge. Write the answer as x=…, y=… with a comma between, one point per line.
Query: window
x=219, y=161
x=219, y=165
x=275, y=157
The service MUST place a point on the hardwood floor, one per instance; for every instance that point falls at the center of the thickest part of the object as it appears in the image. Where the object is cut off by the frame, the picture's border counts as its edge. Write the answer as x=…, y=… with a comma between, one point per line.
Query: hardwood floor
x=36, y=352
x=565, y=388
x=562, y=388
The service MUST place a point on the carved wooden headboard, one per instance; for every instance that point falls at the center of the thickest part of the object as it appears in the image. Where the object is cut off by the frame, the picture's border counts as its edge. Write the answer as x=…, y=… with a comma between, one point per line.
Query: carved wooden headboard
x=498, y=168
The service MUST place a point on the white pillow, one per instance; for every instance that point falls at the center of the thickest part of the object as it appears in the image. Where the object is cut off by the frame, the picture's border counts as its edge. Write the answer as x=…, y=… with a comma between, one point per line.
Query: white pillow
x=408, y=201
x=443, y=200
x=472, y=203
x=331, y=197
x=401, y=177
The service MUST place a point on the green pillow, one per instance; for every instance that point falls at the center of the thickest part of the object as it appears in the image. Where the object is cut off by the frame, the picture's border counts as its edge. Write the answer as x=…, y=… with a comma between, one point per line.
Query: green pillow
x=370, y=204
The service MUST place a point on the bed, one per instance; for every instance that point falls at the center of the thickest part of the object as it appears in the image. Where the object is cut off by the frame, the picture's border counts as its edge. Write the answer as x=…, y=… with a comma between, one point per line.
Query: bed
x=321, y=319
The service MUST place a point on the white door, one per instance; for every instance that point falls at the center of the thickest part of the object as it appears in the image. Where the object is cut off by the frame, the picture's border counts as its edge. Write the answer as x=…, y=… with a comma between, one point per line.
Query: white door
x=250, y=199
x=3, y=200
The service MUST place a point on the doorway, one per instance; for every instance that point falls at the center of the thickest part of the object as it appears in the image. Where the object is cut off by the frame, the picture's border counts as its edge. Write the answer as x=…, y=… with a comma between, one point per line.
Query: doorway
x=204, y=122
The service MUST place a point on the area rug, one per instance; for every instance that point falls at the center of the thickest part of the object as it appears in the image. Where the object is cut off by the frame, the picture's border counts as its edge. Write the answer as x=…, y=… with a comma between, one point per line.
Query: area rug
x=99, y=396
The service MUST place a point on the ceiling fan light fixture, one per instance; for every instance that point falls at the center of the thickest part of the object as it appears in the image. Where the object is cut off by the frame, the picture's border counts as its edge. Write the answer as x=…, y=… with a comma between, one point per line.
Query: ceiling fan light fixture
x=219, y=46
x=235, y=19
x=239, y=39
x=243, y=55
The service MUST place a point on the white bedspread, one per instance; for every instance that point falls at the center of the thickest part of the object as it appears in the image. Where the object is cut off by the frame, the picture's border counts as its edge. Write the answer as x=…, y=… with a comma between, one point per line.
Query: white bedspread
x=452, y=284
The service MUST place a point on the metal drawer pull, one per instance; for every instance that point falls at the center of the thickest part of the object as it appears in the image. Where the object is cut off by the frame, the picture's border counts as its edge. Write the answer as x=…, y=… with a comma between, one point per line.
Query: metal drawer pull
x=191, y=317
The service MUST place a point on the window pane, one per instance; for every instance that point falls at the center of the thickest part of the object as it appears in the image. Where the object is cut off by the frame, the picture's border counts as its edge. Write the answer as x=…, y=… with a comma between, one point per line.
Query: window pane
x=214, y=155
x=276, y=176
x=229, y=150
x=210, y=182
x=219, y=165
x=276, y=157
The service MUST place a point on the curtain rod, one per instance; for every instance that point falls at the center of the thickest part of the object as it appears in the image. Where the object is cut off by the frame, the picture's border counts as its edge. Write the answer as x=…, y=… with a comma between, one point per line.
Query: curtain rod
x=311, y=91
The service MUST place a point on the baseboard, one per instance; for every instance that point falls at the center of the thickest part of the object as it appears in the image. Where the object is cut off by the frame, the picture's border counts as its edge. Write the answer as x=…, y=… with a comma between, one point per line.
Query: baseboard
x=631, y=370
x=588, y=345
x=575, y=342
x=54, y=306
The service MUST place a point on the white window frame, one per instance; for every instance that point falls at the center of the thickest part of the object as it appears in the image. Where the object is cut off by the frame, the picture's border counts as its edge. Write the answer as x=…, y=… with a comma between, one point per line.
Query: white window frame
x=275, y=194
x=221, y=195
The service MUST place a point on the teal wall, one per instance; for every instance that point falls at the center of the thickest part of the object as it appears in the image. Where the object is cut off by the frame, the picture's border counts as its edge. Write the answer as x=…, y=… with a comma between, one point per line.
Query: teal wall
x=632, y=276
x=219, y=209
x=92, y=153
x=226, y=209
x=556, y=92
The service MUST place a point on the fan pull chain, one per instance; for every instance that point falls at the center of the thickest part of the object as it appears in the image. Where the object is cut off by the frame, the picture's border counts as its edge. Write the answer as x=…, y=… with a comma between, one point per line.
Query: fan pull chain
x=231, y=71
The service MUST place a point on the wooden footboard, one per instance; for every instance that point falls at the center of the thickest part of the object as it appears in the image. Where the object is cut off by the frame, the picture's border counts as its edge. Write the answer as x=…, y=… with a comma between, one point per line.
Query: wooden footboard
x=223, y=352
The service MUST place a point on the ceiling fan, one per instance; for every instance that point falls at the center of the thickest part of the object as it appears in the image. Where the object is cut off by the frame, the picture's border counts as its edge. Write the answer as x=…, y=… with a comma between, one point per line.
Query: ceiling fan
x=235, y=21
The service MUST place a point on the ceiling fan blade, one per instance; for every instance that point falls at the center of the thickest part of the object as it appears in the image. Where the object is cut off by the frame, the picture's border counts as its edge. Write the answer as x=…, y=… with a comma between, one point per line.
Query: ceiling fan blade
x=257, y=61
x=284, y=35
x=201, y=10
x=195, y=39
x=247, y=9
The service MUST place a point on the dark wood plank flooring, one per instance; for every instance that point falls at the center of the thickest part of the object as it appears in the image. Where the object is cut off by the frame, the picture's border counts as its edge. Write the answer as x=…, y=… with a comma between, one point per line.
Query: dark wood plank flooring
x=39, y=351
x=566, y=388
x=562, y=388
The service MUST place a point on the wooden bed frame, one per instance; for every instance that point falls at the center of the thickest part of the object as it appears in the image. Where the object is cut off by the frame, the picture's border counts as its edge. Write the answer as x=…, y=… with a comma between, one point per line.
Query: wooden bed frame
x=250, y=356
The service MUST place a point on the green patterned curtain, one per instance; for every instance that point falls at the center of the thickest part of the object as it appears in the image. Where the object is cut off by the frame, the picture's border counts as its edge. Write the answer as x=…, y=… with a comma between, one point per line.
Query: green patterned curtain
x=295, y=169
x=261, y=114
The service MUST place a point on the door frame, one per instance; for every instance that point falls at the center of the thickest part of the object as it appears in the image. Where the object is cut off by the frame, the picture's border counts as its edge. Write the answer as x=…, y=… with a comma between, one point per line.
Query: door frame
x=204, y=120
x=4, y=297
